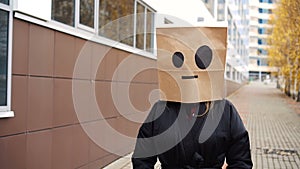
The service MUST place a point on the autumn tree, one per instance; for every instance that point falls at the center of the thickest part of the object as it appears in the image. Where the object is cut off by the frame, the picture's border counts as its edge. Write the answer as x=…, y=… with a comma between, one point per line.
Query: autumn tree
x=284, y=41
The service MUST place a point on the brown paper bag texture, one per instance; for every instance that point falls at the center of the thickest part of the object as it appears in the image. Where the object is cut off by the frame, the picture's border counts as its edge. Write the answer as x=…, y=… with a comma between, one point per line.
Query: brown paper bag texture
x=191, y=63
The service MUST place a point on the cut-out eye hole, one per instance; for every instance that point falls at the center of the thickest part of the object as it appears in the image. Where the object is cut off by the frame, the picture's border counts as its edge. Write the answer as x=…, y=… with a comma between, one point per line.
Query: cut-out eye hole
x=178, y=59
x=203, y=57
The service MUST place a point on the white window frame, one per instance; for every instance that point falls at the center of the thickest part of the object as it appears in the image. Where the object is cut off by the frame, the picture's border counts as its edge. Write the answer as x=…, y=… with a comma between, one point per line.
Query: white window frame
x=77, y=17
x=145, y=27
x=78, y=25
x=85, y=32
x=145, y=24
x=5, y=111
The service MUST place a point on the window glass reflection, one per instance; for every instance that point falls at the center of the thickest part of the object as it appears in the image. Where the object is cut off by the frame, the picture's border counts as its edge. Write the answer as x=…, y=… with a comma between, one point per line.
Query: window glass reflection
x=4, y=2
x=63, y=11
x=116, y=20
x=4, y=19
x=150, y=31
x=140, y=26
x=221, y=10
x=87, y=12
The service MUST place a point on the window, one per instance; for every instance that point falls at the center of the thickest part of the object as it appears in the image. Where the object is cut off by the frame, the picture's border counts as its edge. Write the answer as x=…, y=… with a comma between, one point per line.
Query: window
x=270, y=11
x=87, y=12
x=4, y=20
x=234, y=40
x=264, y=31
x=140, y=26
x=144, y=28
x=266, y=1
x=63, y=11
x=150, y=32
x=261, y=30
x=6, y=2
x=221, y=10
x=263, y=21
x=116, y=20
x=262, y=41
x=259, y=41
x=234, y=74
x=266, y=11
x=262, y=52
x=228, y=71
x=229, y=25
x=5, y=58
x=264, y=62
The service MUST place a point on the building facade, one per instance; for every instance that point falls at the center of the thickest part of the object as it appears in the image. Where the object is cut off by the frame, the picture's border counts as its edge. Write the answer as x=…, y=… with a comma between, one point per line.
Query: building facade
x=42, y=44
x=238, y=40
x=260, y=12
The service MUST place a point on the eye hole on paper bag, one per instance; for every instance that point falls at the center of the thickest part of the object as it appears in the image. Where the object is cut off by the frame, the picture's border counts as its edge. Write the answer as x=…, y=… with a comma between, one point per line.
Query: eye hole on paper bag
x=177, y=59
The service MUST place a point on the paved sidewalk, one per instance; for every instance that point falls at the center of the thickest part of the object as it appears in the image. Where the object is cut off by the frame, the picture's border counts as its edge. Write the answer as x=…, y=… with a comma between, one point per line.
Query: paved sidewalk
x=273, y=125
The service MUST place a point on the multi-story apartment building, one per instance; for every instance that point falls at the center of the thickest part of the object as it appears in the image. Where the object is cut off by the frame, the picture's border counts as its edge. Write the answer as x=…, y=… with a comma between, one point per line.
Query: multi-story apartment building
x=238, y=40
x=260, y=12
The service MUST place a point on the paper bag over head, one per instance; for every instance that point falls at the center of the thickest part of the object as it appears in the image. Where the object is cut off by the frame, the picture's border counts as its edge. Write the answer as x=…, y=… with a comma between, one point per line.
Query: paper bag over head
x=191, y=63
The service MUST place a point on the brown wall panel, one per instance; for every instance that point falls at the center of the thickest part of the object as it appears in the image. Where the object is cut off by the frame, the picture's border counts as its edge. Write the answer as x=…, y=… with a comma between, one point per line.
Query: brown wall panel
x=96, y=152
x=80, y=147
x=17, y=124
x=82, y=97
x=64, y=55
x=138, y=69
x=64, y=112
x=128, y=128
x=41, y=51
x=39, y=150
x=40, y=110
x=20, y=47
x=62, y=148
x=98, y=66
x=109, y=64
x=104, y=99
x=132, y=68
x=13, y=152
x=83, y=55
x=140, y=94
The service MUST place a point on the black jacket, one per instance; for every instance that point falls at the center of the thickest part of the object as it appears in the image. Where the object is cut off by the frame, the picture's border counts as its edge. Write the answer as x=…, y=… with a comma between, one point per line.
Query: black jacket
x=180, y=140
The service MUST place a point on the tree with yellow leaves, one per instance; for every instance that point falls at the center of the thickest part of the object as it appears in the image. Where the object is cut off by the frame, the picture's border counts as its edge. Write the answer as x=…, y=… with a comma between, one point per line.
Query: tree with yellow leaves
x=284, y=41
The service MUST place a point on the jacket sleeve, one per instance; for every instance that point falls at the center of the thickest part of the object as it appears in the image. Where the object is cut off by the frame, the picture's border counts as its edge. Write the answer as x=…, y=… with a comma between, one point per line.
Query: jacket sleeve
x=144, y=156
x=238, y=154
